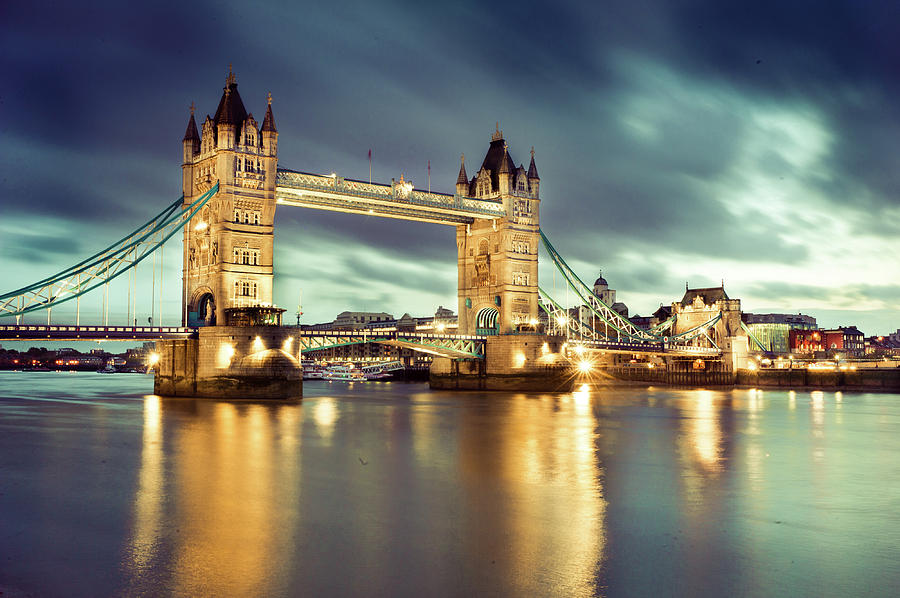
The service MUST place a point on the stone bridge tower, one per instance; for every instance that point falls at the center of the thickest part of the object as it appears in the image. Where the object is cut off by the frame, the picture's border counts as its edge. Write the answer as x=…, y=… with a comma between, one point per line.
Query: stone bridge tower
x=497, y=259
x=228, y=247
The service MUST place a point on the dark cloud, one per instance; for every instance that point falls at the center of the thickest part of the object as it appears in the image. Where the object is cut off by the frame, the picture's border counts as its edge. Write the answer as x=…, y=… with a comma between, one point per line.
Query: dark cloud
x=38, y=248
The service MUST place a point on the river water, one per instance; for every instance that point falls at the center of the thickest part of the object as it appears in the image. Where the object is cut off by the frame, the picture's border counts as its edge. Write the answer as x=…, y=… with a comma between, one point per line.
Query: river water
x=389, y=489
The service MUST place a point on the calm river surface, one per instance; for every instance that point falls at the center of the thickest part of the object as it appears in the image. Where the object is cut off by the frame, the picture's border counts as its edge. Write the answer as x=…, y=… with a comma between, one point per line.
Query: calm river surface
x=394, y=490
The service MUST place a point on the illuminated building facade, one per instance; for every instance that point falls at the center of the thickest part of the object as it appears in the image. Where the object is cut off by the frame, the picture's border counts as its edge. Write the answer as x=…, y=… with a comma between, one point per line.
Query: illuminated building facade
x=773, y=331
x=844, y=340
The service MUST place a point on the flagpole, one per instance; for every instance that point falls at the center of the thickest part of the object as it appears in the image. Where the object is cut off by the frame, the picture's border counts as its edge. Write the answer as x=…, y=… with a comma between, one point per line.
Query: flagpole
x=429, y=176
x=370, y=166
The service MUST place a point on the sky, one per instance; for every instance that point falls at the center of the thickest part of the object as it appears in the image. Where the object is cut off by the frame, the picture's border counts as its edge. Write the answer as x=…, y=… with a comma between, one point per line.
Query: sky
x=677, y=142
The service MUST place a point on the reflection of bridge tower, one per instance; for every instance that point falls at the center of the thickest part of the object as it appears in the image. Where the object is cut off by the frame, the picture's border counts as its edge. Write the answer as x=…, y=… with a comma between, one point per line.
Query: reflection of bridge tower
x=228, y=248
x=497, y=259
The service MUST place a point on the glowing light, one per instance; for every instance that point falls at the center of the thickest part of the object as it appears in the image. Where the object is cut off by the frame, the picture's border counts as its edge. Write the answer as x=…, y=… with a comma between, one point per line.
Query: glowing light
x=153, y=359
x=533, y=321
x=288, y=343
x=579, y=350
x=585, y=366
x=582, y=396
x=545, y=348
x=440, y=327
x=226, y=352
x=561, y=320
x=201, y=226
x=258, y=345
x=519, y=360
x=649, y=366
x=325, y=414
x=751, y=366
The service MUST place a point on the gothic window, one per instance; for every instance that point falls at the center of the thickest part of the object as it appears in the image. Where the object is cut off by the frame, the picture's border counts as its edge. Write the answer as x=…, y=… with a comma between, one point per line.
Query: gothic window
x=245, y=288
x=237, y=215
x=256, y=217
x=246, y=256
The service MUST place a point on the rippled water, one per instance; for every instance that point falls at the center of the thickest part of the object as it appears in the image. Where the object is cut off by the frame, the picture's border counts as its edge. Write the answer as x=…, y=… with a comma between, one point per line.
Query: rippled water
x=394, y=490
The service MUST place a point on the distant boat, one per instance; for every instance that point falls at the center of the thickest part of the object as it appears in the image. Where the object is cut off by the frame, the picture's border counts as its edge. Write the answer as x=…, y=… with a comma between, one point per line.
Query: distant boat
x=109, y=369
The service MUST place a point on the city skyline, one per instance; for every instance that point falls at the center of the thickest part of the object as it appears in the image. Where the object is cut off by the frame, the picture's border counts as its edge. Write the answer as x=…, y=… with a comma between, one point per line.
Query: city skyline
x=695, y=145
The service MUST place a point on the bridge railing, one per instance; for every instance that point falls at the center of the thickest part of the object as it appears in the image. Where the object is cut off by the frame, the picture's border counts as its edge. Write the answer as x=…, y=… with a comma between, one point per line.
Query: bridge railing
x=66, y=332
x=335, y=184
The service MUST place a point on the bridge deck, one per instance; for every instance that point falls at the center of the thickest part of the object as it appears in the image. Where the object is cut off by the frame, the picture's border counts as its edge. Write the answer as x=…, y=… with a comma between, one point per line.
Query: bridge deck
x=647, y=348
x=93, y=333
x=455, y=346
x=398, y=200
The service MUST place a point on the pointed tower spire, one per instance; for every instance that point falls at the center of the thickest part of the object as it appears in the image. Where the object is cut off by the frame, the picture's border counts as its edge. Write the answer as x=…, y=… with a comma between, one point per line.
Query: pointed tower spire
x=463, y=178
x=269, y=120
x=532, y=169
x=191, y=133
x=506, y=163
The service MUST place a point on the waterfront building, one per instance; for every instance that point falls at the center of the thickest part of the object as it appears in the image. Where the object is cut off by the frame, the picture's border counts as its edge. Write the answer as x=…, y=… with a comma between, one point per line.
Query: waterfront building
x=842, y=340
x=352, y=320
x=700, y=305
x=773, y=330
x=882, y=346
x=608, y=296
x=647, y=322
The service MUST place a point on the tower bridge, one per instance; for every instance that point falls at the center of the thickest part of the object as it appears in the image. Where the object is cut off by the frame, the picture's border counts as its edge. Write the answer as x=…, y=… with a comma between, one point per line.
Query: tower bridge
x=232, y=184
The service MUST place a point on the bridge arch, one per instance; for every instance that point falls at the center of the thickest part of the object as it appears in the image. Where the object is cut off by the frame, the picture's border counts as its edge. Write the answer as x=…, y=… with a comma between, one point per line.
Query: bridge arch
x=202, y=307
x=487, y=321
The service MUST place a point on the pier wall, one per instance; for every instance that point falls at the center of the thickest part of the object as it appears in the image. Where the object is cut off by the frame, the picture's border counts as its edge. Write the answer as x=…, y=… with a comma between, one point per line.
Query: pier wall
x=514, y=362
x=860, y=379
x=234, y=362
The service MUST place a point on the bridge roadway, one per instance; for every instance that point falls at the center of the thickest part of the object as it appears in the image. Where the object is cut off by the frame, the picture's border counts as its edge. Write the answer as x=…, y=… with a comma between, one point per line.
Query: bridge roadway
x=444, y=345
x=455, y=346
x=23, y=332
x=398, y=200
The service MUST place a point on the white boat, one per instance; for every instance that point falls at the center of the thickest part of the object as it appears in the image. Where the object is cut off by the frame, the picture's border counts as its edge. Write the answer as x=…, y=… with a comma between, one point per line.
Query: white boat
x=343, y=373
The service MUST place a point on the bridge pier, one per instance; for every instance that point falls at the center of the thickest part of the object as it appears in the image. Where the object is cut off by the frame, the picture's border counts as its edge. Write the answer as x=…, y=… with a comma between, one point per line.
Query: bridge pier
x=231, y=362
x=513, y=362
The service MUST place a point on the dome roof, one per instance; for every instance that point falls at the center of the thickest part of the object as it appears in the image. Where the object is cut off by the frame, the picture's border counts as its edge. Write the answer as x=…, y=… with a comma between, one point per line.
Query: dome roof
x=601, y=281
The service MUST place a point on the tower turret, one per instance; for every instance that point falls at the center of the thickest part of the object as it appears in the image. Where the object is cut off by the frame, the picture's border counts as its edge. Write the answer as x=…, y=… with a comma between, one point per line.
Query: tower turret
x=462, y=181
x=505, y=172
x=268, y=130
x=229, y=115
x=191, y=141
x=534, y=181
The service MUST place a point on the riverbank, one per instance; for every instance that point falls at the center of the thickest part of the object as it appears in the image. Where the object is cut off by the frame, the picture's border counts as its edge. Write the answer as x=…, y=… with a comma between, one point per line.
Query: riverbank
x=872, y=379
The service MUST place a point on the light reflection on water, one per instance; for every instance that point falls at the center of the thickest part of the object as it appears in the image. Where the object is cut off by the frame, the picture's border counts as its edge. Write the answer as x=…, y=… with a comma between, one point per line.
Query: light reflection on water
x=395, y=490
